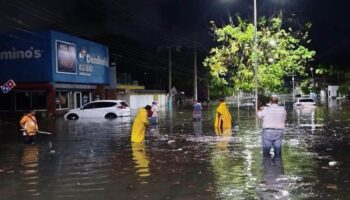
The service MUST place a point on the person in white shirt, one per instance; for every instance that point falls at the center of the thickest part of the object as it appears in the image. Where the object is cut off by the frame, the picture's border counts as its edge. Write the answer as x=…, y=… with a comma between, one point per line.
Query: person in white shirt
x=155, y=111
x=273, y=123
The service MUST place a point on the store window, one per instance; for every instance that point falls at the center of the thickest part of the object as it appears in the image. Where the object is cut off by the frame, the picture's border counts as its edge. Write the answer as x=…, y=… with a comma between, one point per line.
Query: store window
x=61, y=100
x=6, y=101
x=39, y=100
x=23, y=101
x=31, y=100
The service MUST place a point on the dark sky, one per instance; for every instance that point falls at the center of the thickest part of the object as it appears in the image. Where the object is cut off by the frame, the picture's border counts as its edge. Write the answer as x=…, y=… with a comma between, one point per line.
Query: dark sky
x=136, y=29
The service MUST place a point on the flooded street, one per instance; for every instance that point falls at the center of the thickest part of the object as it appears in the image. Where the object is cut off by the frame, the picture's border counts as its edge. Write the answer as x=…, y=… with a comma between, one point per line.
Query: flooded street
x=181, y=159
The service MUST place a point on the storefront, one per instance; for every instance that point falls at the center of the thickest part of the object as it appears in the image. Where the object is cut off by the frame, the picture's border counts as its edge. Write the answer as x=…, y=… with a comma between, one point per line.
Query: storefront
x=53, y=71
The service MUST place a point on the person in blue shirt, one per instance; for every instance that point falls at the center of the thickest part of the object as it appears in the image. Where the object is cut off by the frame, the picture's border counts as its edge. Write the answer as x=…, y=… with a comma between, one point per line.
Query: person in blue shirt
x=197, y=110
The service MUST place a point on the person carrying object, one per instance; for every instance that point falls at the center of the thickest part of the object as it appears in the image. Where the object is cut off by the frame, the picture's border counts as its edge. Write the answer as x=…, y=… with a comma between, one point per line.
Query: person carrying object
x=29, y=126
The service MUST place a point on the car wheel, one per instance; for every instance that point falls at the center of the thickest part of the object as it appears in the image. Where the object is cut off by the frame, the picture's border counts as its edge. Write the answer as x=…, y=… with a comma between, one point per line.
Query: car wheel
x=72, y=117
x=111, y=116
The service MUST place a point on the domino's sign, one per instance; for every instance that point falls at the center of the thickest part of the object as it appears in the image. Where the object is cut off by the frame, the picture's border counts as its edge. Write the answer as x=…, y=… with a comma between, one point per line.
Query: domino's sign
x=8, y=86
x=18, y=54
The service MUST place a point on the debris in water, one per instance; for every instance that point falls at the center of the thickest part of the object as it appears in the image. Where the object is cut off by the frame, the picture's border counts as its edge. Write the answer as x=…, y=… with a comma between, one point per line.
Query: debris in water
x=332, y=163
x=332, y=187
x=131, y=187
x=171, y=141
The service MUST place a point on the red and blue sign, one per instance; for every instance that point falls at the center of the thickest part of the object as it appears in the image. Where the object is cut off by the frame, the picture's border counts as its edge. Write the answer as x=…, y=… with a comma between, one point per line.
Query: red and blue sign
x=8, y=86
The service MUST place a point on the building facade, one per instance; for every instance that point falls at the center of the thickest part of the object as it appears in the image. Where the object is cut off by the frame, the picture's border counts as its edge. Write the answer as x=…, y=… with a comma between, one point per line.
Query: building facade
x=53, y=71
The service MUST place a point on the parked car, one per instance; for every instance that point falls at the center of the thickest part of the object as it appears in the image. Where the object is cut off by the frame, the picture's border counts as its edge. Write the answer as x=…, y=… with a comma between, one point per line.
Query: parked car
x=109, y=109
x=246, y=106
x=305, y=102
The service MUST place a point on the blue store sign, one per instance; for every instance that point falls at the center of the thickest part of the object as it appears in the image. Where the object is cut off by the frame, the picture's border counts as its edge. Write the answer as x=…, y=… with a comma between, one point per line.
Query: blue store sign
x=53, y=57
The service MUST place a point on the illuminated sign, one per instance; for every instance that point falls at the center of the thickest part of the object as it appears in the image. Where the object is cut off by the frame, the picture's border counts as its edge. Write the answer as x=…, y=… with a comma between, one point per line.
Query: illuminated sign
x=66, y=60
x=84, y=56
x=86, y=62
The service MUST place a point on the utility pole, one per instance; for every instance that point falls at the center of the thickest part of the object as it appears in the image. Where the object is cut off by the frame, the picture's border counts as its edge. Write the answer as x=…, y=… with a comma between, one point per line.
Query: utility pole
x=169, y=47
x=195, y=91
x=169, y=77
x=256, y=56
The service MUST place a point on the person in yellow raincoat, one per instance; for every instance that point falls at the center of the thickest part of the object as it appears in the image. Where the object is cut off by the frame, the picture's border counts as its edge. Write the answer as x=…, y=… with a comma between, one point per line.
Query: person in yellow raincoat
x=29, y=126
x=140, y=124
x=223, y=116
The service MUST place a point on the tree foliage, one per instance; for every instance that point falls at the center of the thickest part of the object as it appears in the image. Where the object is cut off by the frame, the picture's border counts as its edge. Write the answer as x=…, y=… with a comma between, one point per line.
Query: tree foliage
x=325, y=71
x=280, y=53
x=344, y=88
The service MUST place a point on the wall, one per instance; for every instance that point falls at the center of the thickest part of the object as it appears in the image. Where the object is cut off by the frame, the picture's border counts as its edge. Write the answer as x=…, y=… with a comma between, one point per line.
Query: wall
x=332, y=91
x=137, y=101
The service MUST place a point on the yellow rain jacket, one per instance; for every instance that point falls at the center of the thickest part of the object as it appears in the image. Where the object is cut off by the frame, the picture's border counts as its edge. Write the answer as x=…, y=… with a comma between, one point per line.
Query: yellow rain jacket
x=139, y=126
x=223, y=131
x=30, y=124
x=222, y=117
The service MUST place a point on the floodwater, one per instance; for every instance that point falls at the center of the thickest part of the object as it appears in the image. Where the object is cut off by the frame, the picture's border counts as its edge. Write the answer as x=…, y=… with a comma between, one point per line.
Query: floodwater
x=181, y=159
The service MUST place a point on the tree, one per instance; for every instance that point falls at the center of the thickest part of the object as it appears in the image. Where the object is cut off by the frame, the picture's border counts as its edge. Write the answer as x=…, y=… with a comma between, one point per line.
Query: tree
x=344, y=88
x=326, y=71
x=280, y=53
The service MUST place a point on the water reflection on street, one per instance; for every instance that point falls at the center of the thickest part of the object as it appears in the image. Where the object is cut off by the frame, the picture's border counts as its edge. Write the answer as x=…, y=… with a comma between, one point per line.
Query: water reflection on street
x=180, y=159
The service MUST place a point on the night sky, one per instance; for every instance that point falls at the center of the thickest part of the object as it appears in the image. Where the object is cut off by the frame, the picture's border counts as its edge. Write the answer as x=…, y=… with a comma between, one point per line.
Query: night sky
x=137, y=32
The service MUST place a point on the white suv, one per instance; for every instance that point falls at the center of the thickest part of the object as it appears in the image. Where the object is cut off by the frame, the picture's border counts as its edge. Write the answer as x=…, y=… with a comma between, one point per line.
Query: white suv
x=304, y=102
x=108, y=109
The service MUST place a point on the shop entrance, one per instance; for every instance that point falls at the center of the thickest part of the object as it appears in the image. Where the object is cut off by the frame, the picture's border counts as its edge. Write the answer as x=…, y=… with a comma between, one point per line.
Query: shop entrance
x=86, y=97
x=77, y=98
x=81, y=98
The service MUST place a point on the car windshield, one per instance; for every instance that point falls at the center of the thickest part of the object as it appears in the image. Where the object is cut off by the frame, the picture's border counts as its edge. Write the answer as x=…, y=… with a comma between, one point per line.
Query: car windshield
x=306, y=100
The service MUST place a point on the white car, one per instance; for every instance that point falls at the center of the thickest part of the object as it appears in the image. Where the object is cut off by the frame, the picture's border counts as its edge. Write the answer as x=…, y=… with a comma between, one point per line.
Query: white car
x=108, y=109
x=304, y=102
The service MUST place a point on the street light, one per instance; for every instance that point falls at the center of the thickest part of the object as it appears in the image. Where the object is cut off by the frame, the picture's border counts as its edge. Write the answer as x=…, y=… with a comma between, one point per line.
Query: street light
x=255, y=50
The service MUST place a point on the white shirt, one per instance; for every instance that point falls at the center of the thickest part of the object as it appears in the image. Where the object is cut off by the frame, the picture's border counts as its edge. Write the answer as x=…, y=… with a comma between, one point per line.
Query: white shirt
x=273, y=116
x=154, y=110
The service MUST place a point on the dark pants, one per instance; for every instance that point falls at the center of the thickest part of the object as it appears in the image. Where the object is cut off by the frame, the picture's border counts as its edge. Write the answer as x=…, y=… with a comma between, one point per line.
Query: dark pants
x=272, y=169
x=154, y=120
x=272, y=138
x=29, y=139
